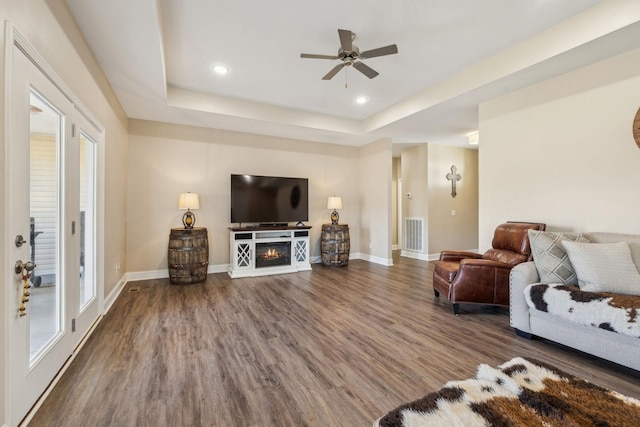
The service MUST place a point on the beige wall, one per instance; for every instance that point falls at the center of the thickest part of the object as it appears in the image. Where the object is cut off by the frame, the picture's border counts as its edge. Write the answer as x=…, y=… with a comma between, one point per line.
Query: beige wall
x=49, y=27
x=423, y=172
x=413, y=167
x=166, y=160
x=375, y=201
x=447, y=231
x=562, y=152
x=395, y=182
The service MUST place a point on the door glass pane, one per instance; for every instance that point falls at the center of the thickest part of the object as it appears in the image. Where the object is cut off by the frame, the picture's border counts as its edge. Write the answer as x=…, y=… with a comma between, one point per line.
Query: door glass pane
x=44, y=307
x=87, y=215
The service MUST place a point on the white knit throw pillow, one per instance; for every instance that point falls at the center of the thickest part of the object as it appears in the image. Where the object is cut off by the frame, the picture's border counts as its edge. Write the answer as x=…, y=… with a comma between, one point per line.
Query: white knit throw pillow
x=604, y=267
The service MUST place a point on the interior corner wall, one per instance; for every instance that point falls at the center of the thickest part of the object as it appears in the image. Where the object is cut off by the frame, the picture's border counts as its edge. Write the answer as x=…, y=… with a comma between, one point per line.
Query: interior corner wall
x=427, y=195
x=562, y=152
x=375, y=201
x=452, y=221
x=166, y=160
x=395, y=182
x=414, y=175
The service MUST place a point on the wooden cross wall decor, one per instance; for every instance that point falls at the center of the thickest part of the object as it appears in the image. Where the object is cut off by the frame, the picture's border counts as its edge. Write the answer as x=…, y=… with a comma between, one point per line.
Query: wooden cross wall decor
x=453, y=177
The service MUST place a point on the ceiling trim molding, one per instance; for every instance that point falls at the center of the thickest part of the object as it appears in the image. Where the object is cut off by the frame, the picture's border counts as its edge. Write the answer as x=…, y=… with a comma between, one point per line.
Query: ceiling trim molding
x=588, y=26
x=216, y=104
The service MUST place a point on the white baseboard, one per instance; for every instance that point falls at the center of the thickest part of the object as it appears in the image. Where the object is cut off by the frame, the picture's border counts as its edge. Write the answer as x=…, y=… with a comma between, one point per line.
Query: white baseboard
x=113, y=295
x=223, y=268
x=376, y=260
x=427, y=257
x=164, y=274
x=146, y=275
x=357, y=255
x=421, y=256
x=218, y=268
x=414, y=255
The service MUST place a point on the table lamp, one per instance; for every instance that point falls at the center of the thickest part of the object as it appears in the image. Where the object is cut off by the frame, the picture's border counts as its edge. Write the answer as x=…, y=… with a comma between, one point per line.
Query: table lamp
x=188, y=201
x=335, y=203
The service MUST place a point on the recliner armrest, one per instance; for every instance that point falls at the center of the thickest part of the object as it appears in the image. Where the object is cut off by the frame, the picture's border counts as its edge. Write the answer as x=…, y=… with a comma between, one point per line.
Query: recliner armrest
x=458, y=255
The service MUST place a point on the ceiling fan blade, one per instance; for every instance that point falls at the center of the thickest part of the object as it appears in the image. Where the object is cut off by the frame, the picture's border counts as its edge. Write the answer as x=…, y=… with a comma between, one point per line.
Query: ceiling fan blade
x=381, y=51
x=334, y=71
x=364, y=69
x=313, y=56
x=346, y=40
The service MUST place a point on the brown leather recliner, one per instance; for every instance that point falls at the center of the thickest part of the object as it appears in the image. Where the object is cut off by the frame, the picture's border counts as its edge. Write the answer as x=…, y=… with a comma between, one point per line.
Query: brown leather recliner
x=469, y=277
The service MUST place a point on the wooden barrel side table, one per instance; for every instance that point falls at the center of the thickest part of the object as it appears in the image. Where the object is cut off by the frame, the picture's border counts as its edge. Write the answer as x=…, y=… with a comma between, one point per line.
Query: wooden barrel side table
x=188, y=255
x=335, y=244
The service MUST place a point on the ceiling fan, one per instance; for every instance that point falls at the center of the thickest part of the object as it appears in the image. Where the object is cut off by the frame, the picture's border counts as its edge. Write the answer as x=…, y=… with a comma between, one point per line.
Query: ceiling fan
x=350, y=55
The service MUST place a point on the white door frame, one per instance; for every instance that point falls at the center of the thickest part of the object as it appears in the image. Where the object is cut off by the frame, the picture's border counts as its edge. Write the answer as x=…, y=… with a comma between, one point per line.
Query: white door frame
x=12, y=37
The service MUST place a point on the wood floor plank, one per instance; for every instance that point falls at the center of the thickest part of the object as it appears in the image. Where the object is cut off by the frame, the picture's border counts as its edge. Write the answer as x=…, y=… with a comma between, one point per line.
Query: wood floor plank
x=328, y=347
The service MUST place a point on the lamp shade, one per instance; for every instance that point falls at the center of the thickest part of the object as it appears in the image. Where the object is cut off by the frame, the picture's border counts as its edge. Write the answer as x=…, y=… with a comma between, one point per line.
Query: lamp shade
x=334, y=202
x=189, y=201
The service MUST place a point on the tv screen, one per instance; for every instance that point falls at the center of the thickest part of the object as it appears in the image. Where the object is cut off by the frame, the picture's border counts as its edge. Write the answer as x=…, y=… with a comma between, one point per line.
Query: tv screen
x=269, y=199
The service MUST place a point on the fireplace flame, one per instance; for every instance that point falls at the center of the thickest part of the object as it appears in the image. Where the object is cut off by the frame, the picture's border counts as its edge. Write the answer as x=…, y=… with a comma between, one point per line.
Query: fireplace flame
x=271, y=254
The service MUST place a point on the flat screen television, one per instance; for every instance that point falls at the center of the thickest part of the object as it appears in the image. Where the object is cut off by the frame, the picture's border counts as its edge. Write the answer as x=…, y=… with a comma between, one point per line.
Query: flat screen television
x=269, y=199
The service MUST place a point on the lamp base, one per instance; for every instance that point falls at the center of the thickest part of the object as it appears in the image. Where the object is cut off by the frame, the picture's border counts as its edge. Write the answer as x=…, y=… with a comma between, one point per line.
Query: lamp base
x=188, y=219
x=334, y=217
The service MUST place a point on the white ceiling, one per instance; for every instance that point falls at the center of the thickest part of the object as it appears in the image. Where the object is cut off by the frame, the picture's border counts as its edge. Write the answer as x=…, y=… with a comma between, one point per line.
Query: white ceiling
x=158, y=55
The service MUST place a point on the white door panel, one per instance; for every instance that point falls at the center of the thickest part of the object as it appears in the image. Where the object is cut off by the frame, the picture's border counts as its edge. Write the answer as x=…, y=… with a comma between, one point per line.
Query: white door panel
x=51, y=180
x=39, y=338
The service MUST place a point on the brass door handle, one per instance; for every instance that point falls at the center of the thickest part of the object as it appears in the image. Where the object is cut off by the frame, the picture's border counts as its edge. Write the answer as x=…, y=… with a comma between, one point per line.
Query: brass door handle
x=24, y=268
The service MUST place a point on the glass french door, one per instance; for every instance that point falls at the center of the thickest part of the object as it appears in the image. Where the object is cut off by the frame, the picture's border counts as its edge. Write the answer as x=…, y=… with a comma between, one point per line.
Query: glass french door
x=51, y=182
x=84, y=299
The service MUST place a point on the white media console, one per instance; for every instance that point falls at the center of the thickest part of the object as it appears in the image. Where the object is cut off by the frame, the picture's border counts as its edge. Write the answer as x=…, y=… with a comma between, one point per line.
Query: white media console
x=268, y=250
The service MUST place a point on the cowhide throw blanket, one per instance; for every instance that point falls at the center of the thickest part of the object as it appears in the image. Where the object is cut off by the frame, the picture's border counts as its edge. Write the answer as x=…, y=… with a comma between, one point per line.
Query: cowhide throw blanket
x=613, y=312
x=520, y=392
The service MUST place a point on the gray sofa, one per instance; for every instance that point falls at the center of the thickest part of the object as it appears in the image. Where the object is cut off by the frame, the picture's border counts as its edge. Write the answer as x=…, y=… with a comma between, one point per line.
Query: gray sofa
x=529, y=321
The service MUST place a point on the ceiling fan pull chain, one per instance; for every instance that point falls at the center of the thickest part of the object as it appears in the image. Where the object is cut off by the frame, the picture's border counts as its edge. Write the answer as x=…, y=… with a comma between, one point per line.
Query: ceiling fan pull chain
x=346, y=78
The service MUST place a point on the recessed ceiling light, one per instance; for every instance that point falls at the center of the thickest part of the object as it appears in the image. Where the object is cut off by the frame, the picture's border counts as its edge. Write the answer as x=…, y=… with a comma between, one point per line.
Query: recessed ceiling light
x=362, y=100
x=220, y=69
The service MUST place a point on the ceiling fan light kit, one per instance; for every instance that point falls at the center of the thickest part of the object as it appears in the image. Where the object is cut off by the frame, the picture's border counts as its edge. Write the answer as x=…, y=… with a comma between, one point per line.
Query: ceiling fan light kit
x=350, y=55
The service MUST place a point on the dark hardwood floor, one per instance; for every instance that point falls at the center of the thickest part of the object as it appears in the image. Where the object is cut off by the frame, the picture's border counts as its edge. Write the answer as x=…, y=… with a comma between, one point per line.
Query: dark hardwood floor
x=329, y=347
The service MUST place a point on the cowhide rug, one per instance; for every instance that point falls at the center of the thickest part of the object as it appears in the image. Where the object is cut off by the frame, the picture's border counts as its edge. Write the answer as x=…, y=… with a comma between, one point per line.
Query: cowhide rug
x=521, y=392
x=613, y=312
